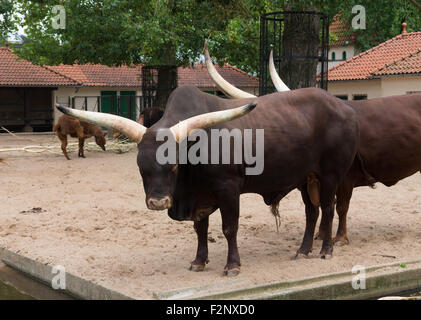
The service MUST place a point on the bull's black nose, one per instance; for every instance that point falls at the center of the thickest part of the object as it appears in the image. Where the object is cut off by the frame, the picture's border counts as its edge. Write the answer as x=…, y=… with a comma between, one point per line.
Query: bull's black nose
x=159, y=204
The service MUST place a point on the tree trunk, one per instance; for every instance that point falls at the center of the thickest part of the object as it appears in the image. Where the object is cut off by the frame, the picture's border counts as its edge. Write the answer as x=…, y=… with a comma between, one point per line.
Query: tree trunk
x=167, y=82
x=301, y=39
x=167, y=78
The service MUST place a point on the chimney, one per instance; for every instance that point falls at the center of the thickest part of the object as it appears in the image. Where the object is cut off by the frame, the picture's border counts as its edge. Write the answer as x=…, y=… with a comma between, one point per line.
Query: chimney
x=403, y=27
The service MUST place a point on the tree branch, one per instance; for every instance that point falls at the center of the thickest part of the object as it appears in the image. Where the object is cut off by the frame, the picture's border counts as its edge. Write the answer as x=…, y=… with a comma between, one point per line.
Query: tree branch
x=416, y=4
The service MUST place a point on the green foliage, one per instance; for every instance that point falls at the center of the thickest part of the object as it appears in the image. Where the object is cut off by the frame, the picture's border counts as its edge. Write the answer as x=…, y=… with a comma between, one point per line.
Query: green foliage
x=6, y=23
x=383, y=20
x=154, y=32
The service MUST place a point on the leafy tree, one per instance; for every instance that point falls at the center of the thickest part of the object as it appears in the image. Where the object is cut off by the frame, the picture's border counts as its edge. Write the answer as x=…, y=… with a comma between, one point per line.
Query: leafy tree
x=6, y=23
x=172, y=32
x=383, y=20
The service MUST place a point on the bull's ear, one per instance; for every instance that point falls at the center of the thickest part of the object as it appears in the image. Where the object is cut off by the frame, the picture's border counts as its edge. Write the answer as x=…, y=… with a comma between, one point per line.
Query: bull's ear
x=206, y=120
x=129, y=128
x=220, y=82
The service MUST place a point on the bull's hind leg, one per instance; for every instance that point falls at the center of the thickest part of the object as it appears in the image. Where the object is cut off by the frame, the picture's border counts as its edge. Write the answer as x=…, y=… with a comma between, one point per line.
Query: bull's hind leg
x=201, y=228
x=312, y=213
x=343, y=198
x=328, y=209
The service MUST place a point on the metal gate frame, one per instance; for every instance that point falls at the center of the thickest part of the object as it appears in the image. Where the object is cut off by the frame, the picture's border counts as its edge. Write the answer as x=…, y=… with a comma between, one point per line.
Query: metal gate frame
x=271, y=35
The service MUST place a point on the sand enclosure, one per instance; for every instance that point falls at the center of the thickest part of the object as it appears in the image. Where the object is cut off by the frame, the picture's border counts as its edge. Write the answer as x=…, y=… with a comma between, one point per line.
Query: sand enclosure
x=89, y=215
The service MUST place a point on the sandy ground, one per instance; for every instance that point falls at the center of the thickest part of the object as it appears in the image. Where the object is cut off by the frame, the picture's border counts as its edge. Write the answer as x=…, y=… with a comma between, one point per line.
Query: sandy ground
x=93, y=221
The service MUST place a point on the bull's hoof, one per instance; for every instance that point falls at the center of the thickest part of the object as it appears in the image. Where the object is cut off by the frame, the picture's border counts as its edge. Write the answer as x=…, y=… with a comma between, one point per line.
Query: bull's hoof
x=341, y=240
x=300, y=255
x=303, y=252
x=326, y=252
x=233, y=272
x=197, y=267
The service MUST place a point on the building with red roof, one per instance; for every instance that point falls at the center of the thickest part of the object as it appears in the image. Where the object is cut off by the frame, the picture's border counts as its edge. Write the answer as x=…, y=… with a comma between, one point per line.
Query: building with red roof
x=341, y=42
x=390, y=68
x=28, y=92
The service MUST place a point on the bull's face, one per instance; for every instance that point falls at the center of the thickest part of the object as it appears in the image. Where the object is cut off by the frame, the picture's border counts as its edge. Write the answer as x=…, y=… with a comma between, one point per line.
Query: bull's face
x=159, y=180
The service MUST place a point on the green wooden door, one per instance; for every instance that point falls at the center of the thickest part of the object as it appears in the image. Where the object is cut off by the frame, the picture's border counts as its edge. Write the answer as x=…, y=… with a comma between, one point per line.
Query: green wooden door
x=128, y=104
x=109, y=102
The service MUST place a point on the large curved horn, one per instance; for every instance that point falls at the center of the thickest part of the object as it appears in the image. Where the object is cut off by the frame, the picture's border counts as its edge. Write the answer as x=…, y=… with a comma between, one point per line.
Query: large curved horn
x=277, y=81
x=206, y=120
x=130, y=128
x=220, y=82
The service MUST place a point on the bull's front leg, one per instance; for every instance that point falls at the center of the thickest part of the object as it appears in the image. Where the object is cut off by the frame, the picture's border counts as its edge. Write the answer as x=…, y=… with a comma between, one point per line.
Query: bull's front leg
x=230, y=211
x=201, y=228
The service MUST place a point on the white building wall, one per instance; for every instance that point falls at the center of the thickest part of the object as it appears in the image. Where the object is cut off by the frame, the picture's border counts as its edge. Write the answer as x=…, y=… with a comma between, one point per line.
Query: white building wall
x=62, y=95
x=371, y=88
x=397, y=85
x=338, y=51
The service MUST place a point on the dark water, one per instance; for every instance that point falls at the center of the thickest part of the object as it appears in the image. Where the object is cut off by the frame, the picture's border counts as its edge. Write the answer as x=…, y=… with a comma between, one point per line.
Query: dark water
x=8, y=292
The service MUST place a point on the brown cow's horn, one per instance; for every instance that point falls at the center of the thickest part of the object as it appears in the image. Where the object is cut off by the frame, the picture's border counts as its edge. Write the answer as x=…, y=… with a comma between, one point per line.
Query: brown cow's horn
x=206, y=120
x=277, y=81
x=220, y=82
x=130, y=128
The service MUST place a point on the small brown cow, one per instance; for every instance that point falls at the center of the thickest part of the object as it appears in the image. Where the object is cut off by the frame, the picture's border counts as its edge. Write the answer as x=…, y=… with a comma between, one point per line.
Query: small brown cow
x=78, y=129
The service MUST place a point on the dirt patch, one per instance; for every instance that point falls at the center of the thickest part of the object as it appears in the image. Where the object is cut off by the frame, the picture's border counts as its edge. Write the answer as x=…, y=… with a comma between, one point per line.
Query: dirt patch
x=89, y=215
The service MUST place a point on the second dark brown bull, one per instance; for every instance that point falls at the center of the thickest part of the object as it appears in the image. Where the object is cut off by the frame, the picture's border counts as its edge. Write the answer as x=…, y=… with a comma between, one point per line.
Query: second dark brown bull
x=390, y=146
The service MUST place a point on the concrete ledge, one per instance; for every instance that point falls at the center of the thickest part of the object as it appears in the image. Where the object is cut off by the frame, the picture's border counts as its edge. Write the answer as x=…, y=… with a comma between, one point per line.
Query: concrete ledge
x=75, y=286
x=380, y=281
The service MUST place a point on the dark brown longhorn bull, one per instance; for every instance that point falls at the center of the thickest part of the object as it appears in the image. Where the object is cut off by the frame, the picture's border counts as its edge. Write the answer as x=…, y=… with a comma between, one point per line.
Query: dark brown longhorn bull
x=309, y=137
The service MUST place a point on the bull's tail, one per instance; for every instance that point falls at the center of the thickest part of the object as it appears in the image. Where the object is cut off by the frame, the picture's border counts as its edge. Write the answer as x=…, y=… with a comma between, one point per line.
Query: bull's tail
x=56, y=127
x=368, y=177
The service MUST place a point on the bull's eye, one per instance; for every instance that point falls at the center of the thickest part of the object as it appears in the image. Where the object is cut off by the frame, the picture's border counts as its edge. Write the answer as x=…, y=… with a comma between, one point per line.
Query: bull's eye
x=174, y=168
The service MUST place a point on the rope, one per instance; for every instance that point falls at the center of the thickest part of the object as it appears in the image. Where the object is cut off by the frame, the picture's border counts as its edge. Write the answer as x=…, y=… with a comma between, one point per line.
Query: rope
x=115, y=145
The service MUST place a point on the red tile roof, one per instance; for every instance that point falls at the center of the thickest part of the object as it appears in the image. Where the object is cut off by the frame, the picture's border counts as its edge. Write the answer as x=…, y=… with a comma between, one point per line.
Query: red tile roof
x=18, y=72
x=407, y=65
x=98, y=75
x=197, y=75
x=366, y=64
x=340, y=34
